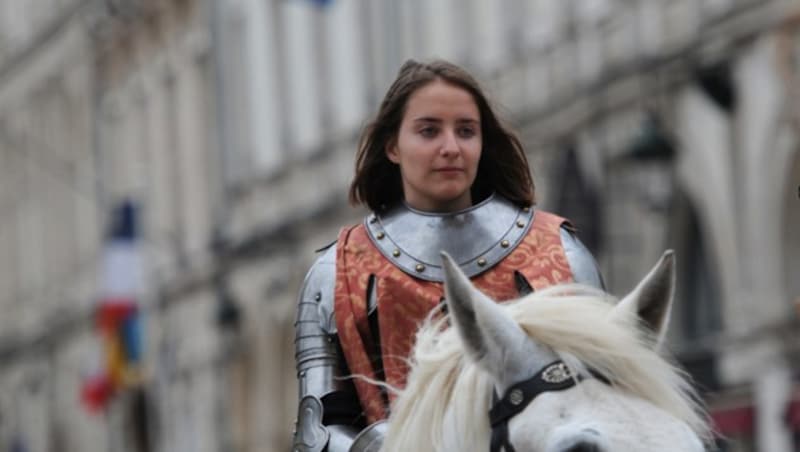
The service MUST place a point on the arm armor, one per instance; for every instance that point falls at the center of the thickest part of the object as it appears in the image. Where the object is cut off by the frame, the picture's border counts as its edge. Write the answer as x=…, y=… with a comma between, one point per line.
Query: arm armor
x=583, y=266
x=329, y=415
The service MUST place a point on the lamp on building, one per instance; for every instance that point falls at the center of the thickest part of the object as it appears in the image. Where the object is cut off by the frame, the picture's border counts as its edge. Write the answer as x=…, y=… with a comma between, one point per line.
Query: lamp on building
x=652, y=151
x=651, y=142
x=228, y=313
x=716, y=81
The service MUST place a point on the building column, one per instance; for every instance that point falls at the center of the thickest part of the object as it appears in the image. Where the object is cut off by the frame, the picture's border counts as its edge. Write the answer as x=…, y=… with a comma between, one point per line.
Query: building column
x=771, y=390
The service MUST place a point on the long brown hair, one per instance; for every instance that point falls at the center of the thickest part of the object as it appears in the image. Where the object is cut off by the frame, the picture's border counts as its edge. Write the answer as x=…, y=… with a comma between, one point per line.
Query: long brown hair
x=503, y=167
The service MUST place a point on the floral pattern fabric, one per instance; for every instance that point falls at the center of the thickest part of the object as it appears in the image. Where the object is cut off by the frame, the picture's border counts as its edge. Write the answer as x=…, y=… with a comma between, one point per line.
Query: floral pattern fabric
x=404, y=301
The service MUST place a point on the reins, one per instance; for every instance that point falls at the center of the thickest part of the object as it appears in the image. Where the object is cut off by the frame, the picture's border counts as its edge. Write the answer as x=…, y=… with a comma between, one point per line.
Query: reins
x=555, y=376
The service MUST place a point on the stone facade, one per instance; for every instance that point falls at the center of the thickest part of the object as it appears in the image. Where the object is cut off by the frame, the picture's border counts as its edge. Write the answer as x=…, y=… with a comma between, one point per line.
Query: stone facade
x=233, y=124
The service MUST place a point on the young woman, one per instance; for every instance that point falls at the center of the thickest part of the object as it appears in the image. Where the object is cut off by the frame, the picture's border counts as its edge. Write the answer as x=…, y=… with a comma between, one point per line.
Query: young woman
x=439, y=171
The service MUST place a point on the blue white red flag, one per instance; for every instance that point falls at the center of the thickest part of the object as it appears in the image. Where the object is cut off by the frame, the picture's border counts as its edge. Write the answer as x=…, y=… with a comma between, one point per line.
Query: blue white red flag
x=118, y=314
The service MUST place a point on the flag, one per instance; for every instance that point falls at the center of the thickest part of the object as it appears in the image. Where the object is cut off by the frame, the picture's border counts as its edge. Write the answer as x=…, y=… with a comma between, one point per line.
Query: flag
x=117, y=313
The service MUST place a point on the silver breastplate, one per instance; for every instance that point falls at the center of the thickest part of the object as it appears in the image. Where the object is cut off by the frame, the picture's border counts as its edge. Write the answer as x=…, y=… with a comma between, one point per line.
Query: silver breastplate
x=477, y=238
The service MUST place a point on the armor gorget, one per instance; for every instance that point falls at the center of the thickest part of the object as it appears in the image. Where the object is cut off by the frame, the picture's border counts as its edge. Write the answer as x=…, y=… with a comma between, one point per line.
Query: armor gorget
x=477, y=238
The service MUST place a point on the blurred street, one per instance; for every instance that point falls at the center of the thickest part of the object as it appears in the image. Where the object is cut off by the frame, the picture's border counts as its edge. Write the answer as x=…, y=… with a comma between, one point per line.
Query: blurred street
x=168, y=167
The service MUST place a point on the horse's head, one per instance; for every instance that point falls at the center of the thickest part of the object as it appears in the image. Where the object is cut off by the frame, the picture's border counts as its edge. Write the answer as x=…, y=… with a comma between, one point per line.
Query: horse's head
x=570, y=372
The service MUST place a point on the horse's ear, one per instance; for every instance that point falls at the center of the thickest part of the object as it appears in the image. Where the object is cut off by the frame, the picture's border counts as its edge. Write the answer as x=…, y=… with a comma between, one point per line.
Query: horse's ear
x=652, y=298
x=492, y=338
x=467, y=306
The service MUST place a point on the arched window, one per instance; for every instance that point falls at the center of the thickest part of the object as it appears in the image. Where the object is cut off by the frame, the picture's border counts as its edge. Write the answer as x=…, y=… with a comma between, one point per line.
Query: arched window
x=577, y=200
x=697, y=312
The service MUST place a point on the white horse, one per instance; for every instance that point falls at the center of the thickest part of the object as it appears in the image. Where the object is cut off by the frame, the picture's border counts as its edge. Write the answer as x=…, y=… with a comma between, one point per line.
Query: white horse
x=577, y=372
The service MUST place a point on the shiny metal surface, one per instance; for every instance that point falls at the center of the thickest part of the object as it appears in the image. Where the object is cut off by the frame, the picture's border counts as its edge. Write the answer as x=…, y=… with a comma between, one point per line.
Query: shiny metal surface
x=371, y=438
x=317, y=356
x=310, y=435
x=319, y=379
x=581, y=262
x=318, y=289
x=316, y=352
x=477, y=238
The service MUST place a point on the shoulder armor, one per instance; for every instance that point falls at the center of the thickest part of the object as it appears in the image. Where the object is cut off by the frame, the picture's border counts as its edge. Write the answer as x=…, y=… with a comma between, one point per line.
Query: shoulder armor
x=318, y=291
x=581, y=262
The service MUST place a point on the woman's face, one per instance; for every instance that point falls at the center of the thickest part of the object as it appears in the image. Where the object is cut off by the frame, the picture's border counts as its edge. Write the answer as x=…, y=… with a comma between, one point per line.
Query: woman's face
x=438, y=147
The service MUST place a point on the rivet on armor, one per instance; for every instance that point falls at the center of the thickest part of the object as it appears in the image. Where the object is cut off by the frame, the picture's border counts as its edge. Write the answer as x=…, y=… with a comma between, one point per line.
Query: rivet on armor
x=302, y=373
x=526, y=209
x=380, y=235
x=419, y=268
x=520, y=224
x=373, y=220
x=481, y=262
x=505, y=243
x=396, y=253
x=318, y=296
x=516, y=397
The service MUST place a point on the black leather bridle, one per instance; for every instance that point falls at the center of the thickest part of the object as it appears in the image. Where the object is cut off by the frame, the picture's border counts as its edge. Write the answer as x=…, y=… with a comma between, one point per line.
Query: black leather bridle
x=555, y=376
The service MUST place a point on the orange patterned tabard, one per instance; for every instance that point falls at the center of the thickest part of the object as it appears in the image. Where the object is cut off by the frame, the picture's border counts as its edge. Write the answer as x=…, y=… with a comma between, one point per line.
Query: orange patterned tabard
x=405, y=301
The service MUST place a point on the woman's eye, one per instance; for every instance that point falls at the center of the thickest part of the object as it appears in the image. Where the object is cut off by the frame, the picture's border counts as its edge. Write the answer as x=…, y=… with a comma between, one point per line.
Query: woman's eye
x=466, y=132
x=428, y=132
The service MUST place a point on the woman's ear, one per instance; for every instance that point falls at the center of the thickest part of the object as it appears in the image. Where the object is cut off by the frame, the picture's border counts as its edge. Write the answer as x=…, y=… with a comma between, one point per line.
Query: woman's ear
x=391, y=152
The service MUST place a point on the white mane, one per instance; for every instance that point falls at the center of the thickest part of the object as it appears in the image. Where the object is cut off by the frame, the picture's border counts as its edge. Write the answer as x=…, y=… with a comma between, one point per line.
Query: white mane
x=447, y=393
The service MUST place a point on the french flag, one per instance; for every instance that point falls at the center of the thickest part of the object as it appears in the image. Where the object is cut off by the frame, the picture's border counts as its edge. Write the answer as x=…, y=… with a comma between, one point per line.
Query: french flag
x=117, y=315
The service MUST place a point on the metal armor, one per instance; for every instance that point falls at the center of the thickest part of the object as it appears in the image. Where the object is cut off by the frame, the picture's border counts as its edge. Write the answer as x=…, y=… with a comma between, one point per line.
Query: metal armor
x=329, y=416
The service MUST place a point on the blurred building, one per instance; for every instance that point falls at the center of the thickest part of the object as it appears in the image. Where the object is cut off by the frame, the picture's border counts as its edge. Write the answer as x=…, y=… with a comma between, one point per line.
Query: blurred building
x=232, y=125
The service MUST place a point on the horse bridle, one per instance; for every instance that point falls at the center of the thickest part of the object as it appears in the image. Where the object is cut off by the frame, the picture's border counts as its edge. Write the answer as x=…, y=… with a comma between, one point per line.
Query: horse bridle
x=555, y=376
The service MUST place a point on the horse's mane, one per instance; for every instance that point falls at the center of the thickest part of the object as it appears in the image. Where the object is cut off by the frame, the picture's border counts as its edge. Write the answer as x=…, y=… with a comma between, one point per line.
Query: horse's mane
x=448, y=393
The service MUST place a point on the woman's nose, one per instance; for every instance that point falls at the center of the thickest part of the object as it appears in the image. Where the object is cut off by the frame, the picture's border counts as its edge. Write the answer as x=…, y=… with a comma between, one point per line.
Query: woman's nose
x=450, y=144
